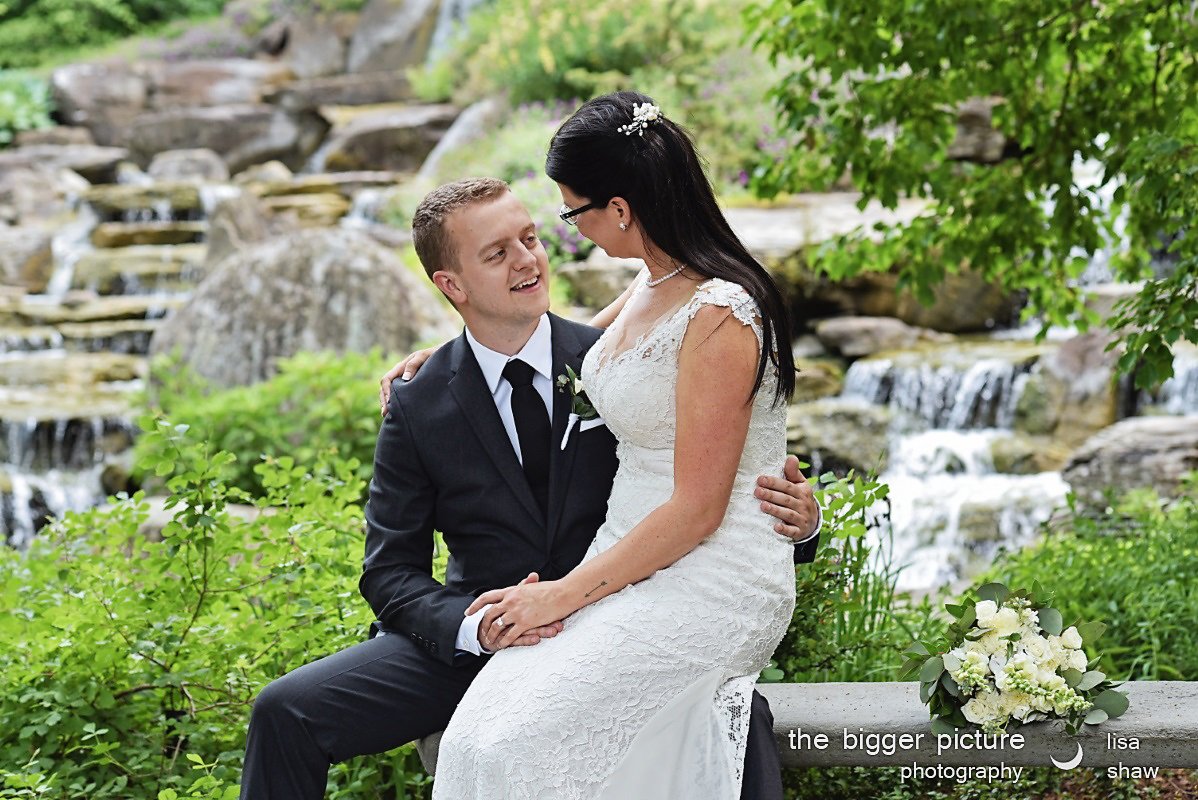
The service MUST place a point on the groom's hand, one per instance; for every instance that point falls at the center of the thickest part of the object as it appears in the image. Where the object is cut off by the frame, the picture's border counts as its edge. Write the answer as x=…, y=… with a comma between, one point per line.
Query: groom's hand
x=790, y=499
x=489, y=633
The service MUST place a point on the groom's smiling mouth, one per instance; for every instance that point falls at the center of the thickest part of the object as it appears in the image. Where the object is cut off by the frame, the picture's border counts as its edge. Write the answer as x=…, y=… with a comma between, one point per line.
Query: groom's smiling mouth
x=527, y=285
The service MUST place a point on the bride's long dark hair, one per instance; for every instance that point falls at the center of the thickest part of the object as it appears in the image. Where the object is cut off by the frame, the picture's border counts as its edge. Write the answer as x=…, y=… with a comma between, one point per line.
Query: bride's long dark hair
x=661, y=177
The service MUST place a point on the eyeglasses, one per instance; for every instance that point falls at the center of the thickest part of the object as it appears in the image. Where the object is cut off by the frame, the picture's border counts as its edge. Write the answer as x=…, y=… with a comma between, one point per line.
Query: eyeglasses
x=567, y=214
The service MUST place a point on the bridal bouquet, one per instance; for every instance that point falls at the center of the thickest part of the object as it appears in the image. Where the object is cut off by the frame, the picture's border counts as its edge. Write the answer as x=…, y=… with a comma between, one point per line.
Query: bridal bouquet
x=1008, y=657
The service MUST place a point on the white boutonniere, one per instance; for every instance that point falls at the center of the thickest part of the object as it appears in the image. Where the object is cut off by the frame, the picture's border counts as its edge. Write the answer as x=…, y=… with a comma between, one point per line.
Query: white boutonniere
x=580, y=404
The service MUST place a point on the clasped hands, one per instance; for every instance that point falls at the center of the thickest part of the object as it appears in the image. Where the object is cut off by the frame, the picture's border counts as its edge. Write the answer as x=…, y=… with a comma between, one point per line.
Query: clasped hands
x=523, y=615
x=519, y=615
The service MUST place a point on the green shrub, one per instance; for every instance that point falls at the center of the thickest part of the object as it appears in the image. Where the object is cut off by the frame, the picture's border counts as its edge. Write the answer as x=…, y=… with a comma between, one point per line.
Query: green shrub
x=128, y=664
x=1132, y=569
x=30, y=29
x=319, y=402
x=25, y=104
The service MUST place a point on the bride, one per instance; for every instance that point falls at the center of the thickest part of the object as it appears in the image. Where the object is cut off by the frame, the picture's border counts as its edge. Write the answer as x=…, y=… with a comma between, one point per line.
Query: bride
x=683, y=596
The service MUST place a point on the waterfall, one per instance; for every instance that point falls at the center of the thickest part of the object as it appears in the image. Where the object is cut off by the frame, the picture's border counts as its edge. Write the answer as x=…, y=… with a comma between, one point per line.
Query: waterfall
x=1179, y=394
x=980, y=395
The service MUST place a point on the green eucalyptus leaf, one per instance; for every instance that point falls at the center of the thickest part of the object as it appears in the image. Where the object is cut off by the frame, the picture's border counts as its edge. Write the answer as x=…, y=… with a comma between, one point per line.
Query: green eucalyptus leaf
x=1051, y=621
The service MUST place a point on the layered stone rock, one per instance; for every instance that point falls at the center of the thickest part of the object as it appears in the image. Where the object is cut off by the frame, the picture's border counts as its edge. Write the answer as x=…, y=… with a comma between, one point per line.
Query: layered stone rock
x=1153, y=452
x=395, y=138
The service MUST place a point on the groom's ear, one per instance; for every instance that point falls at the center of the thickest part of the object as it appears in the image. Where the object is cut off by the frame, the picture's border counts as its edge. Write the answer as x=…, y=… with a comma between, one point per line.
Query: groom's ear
x=447, y=282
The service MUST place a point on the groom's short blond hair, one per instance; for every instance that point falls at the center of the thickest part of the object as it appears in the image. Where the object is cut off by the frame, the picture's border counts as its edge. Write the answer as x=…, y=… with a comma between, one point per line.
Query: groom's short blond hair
x=434, y=246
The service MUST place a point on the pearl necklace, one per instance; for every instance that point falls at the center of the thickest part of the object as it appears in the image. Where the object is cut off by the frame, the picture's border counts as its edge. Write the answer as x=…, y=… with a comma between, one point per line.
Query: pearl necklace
x=664, y=278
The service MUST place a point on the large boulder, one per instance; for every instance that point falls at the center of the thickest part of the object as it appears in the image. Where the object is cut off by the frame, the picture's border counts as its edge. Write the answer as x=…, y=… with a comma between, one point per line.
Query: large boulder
x=214, y=82
x=311, y=290
x=392, y=35
x=241, y=134
x=1139, y=451
x=104, y=98
x=1070, y=393
x=854, y=337
x=396, y=138
x=39, y=192
x=836, y=435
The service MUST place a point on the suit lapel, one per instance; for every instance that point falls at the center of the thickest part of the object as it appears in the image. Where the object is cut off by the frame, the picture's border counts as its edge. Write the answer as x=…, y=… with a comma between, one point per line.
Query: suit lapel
x=567, y=350
x=472, y=395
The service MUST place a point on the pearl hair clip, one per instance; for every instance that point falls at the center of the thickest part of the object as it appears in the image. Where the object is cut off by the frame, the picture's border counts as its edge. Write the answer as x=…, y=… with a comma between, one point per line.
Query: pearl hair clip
x=643, y=115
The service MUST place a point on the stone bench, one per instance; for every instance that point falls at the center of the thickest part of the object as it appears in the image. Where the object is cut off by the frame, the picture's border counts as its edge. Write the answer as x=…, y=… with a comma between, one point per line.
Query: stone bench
x=1160, y=729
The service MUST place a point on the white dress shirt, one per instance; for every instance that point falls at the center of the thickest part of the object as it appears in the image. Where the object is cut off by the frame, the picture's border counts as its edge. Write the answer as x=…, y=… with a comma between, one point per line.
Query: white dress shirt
x=538, y=354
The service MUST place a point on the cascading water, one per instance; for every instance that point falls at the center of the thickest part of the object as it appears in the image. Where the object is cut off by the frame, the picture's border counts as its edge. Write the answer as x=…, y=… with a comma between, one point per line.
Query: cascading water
x=948, y=509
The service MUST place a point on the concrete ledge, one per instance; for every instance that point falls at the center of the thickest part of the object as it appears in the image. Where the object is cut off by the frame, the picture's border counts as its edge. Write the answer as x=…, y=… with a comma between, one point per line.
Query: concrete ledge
x=1162, y=721
x=1160, y=729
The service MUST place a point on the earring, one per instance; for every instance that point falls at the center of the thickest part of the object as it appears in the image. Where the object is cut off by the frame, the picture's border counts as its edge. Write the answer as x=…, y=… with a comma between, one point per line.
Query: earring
x=623, y=227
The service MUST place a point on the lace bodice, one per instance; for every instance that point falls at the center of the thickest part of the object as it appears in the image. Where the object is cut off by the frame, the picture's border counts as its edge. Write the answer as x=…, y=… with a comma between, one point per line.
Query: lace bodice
x=634, y=390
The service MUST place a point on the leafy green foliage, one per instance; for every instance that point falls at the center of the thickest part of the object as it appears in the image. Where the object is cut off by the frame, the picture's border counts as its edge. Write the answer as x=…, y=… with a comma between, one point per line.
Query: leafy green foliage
x=25, y=104
x=128, y=661
x=689, y=56
x=30, y=28
x=849, y=624
x=872, y=89
x=1132, y=569
x=318, y=403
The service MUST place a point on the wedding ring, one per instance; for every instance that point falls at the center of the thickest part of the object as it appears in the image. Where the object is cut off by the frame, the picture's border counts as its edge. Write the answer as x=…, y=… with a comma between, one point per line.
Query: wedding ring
x=499, y=621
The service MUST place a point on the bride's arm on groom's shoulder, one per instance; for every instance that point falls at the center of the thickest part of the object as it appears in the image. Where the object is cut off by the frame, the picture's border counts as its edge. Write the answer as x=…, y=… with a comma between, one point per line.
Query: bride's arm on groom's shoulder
x=712, y=425
x=405, y=369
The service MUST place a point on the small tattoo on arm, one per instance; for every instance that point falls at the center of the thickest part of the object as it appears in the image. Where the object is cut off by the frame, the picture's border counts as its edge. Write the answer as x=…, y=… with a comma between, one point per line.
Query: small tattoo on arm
x=597, y=588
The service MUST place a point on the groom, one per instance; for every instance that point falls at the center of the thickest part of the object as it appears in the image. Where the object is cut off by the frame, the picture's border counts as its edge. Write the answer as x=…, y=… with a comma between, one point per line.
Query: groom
x=461, y=451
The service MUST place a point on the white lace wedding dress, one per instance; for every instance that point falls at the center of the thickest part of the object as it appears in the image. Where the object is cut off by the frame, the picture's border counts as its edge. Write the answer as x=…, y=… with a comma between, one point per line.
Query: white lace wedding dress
x=645, y=693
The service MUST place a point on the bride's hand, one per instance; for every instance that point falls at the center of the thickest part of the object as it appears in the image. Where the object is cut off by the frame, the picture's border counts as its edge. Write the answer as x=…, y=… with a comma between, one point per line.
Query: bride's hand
x=519, y=609
x=407, y=368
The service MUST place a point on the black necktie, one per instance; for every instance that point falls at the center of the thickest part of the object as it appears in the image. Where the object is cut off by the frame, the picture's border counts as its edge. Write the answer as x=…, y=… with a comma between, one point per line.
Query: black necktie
x=532, y=429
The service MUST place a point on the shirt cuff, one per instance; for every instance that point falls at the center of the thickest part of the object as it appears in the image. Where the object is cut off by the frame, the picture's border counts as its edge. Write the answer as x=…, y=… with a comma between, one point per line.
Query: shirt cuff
x=819, y=523
x=468, y=634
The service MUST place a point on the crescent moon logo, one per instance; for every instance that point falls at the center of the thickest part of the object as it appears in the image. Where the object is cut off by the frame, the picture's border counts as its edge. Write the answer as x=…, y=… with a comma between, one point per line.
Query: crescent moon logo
x=1071, y=763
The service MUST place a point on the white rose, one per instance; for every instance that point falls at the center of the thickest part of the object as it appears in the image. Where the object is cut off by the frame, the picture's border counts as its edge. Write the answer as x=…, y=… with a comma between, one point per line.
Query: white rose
x=981, y=708
x=990, y=643
x=1036, y=647
x=1078, y=660
x=1071, y=638
x=985, y=610
x=1005, y=622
